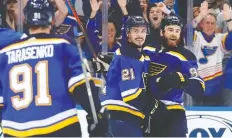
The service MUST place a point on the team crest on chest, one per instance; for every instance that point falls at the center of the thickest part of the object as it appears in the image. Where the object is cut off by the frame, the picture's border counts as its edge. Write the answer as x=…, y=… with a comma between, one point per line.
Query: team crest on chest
x=155, y=69
x=207, y=51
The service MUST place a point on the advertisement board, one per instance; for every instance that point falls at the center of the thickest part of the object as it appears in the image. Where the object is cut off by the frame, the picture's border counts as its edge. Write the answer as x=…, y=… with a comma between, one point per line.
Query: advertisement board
x=209, y=122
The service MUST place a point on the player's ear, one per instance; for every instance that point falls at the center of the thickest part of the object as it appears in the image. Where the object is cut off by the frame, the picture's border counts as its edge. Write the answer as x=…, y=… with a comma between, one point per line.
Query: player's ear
x=127, y=34
x=161, y=33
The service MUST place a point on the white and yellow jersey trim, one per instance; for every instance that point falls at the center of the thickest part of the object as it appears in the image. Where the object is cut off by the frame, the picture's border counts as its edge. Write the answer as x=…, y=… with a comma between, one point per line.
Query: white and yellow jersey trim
x=77, y=81
x=173, y=105
x=34, y=42
x=117, y=105
x=98, y=82
x=1, y=101
x=40, y=127
x=178, y=55
x=149, y=48
x=131, y=94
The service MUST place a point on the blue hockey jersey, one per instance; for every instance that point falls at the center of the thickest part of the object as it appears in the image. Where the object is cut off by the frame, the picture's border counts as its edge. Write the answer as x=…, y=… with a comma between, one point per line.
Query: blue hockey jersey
x=176, y=59
x=125, y=87
x=8, y=36
x=37, y=75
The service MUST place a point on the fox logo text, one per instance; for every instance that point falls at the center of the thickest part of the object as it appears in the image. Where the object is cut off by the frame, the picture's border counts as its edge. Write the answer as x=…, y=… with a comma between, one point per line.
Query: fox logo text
x=209, y=126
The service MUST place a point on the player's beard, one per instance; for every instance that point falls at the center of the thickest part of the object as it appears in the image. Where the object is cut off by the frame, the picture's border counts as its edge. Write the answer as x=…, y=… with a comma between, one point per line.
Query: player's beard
x=167, y=42
x=140, y=43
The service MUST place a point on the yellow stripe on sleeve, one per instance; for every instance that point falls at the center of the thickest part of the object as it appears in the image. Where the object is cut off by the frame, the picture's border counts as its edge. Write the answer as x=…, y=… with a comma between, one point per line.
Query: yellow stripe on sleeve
x=133, y=96
x=124, y=109
x=41, y=131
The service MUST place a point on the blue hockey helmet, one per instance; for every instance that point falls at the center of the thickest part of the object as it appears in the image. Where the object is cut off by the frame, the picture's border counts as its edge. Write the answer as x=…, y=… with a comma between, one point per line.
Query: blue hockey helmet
x=171, y=20
x=39, y=12
x=136, y=21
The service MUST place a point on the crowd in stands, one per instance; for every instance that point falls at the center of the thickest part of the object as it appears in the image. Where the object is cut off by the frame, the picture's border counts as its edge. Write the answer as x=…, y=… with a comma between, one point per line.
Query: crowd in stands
x=211, y=23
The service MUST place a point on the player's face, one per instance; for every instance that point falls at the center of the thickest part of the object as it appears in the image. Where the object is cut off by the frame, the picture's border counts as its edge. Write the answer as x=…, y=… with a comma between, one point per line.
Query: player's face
x=155, y=17
x=209, y=24
x=137, y=35
x=111, y=33
x=171, y=35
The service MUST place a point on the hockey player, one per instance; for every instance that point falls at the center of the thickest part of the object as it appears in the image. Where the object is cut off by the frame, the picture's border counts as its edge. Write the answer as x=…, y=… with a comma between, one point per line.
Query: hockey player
x=125, y=96
x=172, y=71
x=124, y=82
x=39, y=75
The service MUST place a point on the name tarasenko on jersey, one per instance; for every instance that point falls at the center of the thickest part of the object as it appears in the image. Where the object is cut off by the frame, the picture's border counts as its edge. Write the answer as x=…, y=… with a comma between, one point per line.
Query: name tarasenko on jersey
x=34, y=52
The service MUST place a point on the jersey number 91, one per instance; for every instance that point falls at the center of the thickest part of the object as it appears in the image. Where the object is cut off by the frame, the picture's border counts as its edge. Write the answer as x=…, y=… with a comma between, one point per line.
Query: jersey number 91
x=25, y=85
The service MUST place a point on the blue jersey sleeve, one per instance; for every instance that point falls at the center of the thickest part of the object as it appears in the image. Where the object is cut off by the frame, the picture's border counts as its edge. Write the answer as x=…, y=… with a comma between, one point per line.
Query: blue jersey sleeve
x=77, y=80
x=1, y=96
x=93, y=30
x=195, y=85
x=76, y=74
x=113, y=79
x=11, y=36
x=227, y=40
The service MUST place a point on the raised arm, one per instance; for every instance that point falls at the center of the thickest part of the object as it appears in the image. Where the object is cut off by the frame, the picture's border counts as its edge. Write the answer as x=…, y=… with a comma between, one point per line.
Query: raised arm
x=122, y=4
x=227, y=40
x=203, y=12
x=92, y=26
x=227, y=16
x=61, y=13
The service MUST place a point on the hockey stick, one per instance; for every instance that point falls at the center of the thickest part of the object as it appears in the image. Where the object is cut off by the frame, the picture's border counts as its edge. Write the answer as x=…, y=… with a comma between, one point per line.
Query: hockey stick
x=82, y=29
x=83, y=65
x=86, y=36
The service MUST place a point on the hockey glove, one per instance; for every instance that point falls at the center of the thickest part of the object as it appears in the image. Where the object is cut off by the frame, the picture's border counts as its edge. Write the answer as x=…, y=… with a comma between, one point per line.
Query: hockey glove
x=102, y=63
x=101, y=128
x=154, y=113
x=171, y=80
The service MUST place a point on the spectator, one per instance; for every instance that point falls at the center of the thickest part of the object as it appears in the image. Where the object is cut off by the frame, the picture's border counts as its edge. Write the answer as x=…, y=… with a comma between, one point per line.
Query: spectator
x=11, y=14
x=223, y=28
x=227, y=89
x=144, y=6
x=94, y=31
x=209, y=48
x=215, y=6
x=221, y=24
x=156, y=12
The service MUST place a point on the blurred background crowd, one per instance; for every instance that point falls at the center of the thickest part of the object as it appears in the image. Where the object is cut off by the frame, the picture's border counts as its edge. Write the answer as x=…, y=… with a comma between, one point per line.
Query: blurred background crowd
x=198, y=16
